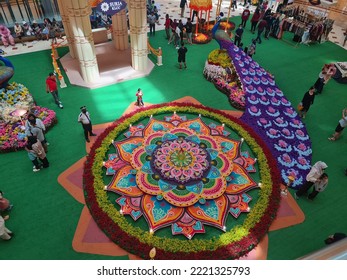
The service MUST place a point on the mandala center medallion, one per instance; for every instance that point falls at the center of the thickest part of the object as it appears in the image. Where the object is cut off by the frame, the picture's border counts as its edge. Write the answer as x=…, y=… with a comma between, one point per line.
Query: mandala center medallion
x=180, y=161
x=181, y=158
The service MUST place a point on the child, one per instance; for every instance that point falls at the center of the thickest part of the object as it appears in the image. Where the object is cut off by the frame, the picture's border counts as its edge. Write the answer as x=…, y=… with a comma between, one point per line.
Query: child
x=139, y=101
x=251, y=48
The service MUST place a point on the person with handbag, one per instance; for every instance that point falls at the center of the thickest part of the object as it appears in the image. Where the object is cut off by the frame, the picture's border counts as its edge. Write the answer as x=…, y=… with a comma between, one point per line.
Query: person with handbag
x=35, y=127
x=312, y=178
x=306, y=102
x=39, y=151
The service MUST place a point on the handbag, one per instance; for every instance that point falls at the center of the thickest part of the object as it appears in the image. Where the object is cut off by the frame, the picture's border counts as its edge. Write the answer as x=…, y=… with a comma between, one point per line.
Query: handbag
x=300, y=107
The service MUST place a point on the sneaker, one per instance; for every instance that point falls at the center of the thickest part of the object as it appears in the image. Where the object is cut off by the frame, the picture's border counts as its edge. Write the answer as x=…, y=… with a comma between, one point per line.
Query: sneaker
x=88, y=140
x=47, y=143
x=36, y=170
x=61, y=106
x=296, y=197
x=93, y=134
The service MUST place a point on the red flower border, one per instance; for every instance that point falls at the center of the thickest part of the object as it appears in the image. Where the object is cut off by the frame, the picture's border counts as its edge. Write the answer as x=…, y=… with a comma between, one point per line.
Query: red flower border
x=129, y=243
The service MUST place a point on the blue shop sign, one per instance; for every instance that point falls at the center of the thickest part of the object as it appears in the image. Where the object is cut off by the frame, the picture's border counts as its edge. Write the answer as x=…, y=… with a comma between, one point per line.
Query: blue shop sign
x=111, y=7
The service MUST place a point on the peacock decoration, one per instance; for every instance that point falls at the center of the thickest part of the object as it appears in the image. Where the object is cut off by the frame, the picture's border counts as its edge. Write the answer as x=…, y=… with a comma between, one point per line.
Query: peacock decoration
x=220, y=35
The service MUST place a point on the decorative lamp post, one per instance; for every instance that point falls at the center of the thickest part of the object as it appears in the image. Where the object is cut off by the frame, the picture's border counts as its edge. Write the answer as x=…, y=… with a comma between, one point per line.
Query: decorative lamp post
x=200, y=6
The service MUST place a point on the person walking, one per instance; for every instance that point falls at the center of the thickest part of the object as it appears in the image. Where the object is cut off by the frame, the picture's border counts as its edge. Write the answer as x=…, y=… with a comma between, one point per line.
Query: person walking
x=84, y=119
x=51, y=87
x=234, y=5
x=182, y=55
x=312, y=177
x=151, y=21
x=245, y=16
x=168, y=22
x=183, y=5
x=254, y=20
x=139, y=98
x=270, y=20
x=238, y=35
x=319, y=186
x=181, y=27
x=307, y=101
x=324, y=76
x=5, y=233
x=261, y=27
x=189, y=31
x=340, y=126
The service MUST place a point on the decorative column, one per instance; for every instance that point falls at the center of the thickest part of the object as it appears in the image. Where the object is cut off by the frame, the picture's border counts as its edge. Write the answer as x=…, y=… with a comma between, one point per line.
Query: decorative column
x=120, y=31
x=79, y=12
x=138, y=34
x=67, y=28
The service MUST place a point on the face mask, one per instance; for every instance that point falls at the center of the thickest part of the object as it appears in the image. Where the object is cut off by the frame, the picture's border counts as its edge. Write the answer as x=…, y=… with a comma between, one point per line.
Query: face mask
x=84, y=111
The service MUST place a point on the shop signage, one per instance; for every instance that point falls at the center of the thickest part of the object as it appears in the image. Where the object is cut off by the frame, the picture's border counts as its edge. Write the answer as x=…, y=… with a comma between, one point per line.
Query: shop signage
x=111, y=7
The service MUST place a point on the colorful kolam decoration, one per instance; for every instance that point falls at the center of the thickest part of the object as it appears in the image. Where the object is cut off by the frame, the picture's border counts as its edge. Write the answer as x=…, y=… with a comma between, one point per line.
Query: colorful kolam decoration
x=188, y=180
x=271, y=115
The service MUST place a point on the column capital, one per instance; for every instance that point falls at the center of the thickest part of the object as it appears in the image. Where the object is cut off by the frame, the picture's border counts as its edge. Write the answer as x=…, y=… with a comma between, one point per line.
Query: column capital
x=79, y=12
x=138, y=30
x=136, y=4
x=88, y=63
x=139, y=52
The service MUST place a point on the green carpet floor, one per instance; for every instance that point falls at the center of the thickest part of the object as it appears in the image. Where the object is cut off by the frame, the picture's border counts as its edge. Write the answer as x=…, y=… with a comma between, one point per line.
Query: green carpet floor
x=45, y=215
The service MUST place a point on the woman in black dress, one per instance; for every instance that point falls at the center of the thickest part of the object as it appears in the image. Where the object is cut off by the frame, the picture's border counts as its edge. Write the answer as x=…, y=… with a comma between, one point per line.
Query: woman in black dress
x=307, y=101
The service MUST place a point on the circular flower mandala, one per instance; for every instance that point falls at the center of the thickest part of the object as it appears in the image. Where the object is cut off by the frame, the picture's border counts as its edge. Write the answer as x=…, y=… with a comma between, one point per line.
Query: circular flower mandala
x=182, y=172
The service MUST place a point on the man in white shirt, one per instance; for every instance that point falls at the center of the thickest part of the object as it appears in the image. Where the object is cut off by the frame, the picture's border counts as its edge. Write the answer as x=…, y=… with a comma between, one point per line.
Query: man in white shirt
x=84, y=119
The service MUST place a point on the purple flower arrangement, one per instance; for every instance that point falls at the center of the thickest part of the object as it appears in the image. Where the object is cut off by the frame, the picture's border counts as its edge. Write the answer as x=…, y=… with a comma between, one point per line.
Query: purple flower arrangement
x=271, y=115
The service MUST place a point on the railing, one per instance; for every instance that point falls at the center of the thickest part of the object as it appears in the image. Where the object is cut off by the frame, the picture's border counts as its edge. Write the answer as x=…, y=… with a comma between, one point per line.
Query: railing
x=55, y=56
x=157, y=52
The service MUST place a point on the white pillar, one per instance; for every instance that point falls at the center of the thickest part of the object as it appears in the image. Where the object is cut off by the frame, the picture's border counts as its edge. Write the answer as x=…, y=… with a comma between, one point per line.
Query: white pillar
x=120, y=31
x=79, y=12
x=67, y=28
x=138, y=34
